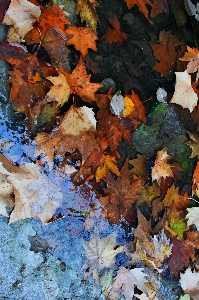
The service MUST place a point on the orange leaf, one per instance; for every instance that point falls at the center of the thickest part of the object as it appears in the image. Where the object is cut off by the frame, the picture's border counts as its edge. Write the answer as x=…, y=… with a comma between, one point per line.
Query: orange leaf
x=79, y=82
x=114, y=35
x=110, y=163
x=141, y=6
x=83, y=38
x=51, y=16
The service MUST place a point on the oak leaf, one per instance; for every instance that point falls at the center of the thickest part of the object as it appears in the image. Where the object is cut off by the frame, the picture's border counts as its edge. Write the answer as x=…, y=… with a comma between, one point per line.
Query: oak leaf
x=82, y=39
x=184, y=94
x=51, y=15
x=189, y=281
x=79, y=82
x=114, y=35
x=141, y=6
x=22, y=14
x=151, y=251
x=125, y=282
x=87, y=11
x=100, y=253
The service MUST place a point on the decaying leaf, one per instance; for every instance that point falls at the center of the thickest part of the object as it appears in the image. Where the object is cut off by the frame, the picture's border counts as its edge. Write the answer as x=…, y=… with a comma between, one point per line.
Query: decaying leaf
x=184, y=94
x=125, y=282
x=100, y=253
x=193, y=216
x=86, y=9
x=22, y=14
x=114, y=35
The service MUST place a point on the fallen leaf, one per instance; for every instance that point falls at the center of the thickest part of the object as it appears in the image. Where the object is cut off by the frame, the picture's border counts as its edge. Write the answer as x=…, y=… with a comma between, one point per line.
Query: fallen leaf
x=184, y=94
x=114, y=35
x=193, y=216
x=192, y=55
x=159, y=6
x=121, y=195
x=22, y=14
x=60, y=91
x=110, y=163
x=79, y=82
x=161, y=168
x=141, y=6
x=100, y=253
x=87, y=11
x=51, y=15
x=125, y=282
x=82, y=38
x=189, y=282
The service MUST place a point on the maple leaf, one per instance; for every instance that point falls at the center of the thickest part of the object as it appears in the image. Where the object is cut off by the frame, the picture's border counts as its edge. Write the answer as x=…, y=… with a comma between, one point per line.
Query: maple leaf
x=192, y=56
x=151, y=251
x=195, y=185
x=141, y=6
x=166, y=55
x=158, y=7
x=60, y=91
x=83, y=38
x=184, y=94
x=35, y=193
x=125, y=282
x=75, y=132
x=139, y=167
x=121, y=195
x=161, y=166
x=51, y=15
x=114, y=35
x=189, y=281
x=79, y=82
x=100, y=252
x=180, y=257
x=193, y=144
x=52, y=41
x=86, y=9
x=22, y=14
x=110, y=162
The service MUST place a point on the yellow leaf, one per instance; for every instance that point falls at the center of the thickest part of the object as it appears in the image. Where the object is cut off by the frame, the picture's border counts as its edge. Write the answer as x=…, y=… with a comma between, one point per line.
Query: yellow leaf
x=87, y=12
x=110, y=162
x=129, y=106
x=60, y=91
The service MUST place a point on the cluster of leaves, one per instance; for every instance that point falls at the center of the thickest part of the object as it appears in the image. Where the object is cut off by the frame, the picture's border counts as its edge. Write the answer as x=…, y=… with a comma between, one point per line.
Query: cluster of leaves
x=68, y=116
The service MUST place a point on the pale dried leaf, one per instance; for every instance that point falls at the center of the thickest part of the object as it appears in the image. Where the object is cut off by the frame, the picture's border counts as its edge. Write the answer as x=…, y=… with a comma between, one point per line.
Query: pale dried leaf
x=184, y=94
x=22, y=14
x=125, y=283
x=190, y=283
x=36, y=194
x=100, y=252
x=193, y=216
x=60, y=91
x=78, y=120
x=161, y=167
